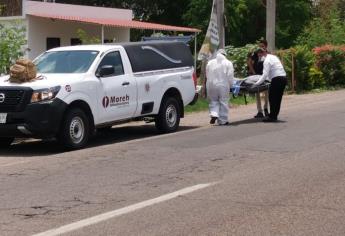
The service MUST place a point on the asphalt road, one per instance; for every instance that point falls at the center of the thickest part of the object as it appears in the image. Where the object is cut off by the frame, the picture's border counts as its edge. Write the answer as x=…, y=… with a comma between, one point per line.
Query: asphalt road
x=250, y=178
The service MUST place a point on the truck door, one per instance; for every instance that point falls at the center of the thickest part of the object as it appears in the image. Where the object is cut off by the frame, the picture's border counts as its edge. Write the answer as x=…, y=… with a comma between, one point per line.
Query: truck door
x=120, y=91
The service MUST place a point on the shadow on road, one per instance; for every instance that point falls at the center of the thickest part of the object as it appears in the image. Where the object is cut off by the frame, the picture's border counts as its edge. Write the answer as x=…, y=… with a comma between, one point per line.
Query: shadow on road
x=251, y=121
x=28, y=148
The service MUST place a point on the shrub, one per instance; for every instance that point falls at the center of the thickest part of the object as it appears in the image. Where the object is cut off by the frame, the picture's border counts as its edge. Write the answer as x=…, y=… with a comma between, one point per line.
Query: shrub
x=311, y=69
x=317, y=77
x=306, y=75
x=286, y=59
x=12, y=40
x=331, y=61
x=304, y=60
x=238, y=57
x=87, y=39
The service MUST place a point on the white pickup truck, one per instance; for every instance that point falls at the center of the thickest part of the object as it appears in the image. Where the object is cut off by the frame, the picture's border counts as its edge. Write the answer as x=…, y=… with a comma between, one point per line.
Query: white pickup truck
x=82, y=89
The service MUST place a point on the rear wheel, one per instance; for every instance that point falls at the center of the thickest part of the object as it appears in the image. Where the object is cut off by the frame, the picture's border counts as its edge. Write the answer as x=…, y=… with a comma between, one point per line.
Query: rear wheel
x=168, y=119
x=5, y=142
x=75, y=130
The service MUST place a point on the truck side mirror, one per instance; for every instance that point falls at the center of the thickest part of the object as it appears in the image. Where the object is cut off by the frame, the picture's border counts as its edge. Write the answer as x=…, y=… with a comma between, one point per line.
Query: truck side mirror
x=105, y=70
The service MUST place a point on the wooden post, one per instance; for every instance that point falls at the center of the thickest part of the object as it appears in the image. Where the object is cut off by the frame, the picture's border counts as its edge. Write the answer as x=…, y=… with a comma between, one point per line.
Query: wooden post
x=203, y=78
x=271, y=24
x=102, y=34
x=293, y=81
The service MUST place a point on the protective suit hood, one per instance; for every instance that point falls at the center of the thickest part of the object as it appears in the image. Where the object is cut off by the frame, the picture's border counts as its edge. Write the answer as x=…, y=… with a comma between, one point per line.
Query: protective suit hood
x=220, y=57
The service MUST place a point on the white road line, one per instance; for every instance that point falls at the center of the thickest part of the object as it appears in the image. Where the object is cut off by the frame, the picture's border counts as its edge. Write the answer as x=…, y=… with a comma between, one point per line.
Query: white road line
x=112, y=214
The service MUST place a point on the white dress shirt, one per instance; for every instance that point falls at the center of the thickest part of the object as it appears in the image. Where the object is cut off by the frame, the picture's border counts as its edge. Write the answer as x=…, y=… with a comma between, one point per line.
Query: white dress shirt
x=272, y=68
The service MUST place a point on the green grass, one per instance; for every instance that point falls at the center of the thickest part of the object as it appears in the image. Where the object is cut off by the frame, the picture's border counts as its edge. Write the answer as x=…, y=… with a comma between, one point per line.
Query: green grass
x=202, y=103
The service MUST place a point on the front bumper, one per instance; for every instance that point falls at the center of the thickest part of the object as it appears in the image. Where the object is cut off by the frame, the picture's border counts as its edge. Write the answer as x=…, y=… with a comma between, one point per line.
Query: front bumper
x=38, y=120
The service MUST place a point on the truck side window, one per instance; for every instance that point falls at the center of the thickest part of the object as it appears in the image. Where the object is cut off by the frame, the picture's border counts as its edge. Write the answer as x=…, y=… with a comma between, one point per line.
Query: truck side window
x=113, y=59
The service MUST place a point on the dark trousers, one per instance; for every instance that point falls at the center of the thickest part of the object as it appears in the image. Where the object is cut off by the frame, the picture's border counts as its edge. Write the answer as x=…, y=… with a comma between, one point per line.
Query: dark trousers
x=276, y=91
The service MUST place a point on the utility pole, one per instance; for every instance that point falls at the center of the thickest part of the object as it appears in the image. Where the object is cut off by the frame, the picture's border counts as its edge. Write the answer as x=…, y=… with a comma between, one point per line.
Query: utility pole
x=220, y=21
x=271, y=24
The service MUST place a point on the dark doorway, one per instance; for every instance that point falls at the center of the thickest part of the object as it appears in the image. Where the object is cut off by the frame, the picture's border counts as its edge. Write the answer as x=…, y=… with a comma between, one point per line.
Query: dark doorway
x=53, y=43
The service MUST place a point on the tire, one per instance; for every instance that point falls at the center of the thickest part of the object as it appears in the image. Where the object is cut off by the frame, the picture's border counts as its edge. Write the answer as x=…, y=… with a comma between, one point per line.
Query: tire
x=5, y=142
x=168, y=119
x=75, y=129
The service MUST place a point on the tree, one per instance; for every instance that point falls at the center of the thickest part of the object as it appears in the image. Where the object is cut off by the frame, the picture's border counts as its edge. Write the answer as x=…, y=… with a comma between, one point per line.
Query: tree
x=327, y=27
x=243, y=26
x=245, y=18
x=12, y=40
x=87, y=39
x=163, y=11
x=10, y=7
x=292, y=17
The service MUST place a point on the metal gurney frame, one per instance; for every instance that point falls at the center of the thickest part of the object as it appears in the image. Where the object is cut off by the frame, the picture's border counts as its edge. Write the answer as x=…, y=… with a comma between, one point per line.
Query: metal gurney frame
x=240, y=87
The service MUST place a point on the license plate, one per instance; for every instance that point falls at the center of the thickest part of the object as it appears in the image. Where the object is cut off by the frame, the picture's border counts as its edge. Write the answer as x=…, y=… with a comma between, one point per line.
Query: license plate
x=3, y=117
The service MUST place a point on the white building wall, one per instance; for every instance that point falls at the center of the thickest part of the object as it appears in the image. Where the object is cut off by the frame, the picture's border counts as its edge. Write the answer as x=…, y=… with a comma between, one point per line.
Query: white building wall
x=40, y=29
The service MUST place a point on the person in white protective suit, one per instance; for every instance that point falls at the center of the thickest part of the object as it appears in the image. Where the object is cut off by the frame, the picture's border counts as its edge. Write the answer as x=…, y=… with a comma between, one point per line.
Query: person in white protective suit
x=219, y=78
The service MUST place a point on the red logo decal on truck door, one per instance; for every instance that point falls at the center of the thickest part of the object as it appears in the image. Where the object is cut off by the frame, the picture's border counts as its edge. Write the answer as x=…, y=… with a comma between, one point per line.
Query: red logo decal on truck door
x=105, y=102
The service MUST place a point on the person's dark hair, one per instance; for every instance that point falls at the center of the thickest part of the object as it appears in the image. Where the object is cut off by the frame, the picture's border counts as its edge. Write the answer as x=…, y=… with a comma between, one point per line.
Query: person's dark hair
x=260, y=50
x=264, y=42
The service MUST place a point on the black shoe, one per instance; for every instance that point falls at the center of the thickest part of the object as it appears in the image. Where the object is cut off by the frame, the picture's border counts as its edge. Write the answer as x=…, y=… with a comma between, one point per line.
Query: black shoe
x=269, y=119
x=266, y=112
x=259, y=115
x=213, y=120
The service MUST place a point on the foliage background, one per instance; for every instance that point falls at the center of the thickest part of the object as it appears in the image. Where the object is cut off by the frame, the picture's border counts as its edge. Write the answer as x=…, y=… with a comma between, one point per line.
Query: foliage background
x=12, y=39
x=245, y=18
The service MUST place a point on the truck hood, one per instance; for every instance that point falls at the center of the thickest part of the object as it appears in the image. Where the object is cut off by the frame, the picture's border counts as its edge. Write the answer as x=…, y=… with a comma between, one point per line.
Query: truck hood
x=45, y=81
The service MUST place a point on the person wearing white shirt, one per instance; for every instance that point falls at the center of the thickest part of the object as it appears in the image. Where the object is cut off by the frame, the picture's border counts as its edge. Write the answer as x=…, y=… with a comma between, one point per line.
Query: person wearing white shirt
x=219, y=77
x=273, y=72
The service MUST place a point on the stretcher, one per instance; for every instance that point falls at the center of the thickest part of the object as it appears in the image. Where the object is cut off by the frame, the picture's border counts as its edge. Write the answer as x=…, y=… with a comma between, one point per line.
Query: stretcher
x=246, y=87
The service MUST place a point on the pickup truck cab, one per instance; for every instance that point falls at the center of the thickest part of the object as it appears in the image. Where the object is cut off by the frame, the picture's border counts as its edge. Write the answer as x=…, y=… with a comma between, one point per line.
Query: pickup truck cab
x=81, y=89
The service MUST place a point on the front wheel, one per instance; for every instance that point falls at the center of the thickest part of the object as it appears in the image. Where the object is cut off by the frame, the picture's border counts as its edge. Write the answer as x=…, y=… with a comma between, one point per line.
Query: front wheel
x=75, y=130
x=168, y=119
x=5, y=142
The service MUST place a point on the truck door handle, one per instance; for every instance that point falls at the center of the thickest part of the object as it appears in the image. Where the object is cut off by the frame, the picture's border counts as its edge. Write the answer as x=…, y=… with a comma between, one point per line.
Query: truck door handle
x=125, y=83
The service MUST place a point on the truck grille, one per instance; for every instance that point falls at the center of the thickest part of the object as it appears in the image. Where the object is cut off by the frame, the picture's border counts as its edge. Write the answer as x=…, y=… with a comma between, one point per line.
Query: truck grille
x=13, y=100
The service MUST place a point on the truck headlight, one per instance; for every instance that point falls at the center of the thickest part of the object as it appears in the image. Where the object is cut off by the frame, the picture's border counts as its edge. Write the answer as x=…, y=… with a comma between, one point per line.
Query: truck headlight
x=44, y=94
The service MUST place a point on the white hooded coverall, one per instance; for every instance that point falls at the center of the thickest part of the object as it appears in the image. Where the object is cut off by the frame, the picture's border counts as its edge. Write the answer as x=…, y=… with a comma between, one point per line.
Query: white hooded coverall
x=220, y=75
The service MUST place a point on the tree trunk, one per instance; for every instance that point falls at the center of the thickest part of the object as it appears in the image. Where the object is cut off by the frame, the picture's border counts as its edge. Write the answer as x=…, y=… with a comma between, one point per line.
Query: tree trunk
x=10, y=7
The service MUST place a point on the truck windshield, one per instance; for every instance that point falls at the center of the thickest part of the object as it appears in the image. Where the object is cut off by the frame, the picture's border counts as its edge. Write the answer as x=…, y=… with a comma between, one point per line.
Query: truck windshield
x=65, y=61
